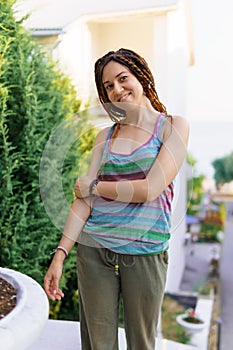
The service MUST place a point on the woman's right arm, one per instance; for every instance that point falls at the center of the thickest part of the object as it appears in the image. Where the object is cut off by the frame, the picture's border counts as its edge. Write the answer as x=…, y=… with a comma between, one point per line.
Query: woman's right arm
x=78, y=214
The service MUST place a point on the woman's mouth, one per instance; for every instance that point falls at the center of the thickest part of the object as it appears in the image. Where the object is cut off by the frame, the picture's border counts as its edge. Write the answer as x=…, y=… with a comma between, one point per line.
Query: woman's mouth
x=124, y=98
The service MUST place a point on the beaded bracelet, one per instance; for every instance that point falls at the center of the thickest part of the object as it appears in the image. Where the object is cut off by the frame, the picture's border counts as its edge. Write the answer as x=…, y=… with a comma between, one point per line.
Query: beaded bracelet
x=92, y=186
x=60, y=248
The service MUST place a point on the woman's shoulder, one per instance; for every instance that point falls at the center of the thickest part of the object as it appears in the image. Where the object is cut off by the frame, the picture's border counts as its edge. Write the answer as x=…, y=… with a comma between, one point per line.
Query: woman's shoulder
x=174, y=123
x=102, y=135
x=179, y=120
x=175, y=120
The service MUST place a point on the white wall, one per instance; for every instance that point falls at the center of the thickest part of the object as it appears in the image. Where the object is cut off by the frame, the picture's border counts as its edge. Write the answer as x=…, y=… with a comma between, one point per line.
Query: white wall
x=73, y=55
x=59, y=13
x=133, y=33
x=178, y=62
x=176, y=248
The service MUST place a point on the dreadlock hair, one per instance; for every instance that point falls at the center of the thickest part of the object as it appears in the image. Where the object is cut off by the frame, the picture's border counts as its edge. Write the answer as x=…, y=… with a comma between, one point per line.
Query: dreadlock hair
x=139, y=68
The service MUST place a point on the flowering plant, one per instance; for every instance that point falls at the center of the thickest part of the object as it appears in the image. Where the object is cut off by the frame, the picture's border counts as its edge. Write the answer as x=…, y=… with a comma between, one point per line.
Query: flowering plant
x=192, y=317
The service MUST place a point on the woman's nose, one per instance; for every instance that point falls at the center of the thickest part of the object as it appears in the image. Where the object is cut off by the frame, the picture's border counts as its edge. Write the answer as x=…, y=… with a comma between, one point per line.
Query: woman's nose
x=118, y=89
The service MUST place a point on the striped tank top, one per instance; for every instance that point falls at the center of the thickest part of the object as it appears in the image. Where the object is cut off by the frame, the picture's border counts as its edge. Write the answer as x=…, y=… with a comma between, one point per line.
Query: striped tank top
x=132, y=228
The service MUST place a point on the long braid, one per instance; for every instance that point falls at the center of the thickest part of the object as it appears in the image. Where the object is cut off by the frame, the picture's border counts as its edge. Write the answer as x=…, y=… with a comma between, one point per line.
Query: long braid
x=146, y=78
x=114, y=135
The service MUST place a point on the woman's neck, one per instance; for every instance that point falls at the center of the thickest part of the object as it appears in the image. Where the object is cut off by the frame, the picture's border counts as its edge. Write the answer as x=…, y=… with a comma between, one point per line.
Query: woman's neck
x=140, y=116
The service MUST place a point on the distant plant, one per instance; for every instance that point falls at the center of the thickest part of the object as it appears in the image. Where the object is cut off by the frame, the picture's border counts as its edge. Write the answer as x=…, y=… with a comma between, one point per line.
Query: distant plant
x=222, y=212
x=210, y=227
x=223, y=169
x=205, y=289
x=194, y=188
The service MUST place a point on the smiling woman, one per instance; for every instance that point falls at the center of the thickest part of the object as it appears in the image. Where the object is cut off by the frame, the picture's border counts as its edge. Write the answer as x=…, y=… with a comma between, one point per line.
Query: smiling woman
x=122, y=215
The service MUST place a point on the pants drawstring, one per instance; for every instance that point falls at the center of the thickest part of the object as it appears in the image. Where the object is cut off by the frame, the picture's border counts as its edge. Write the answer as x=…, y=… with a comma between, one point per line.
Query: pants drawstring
x=116, y=266
x=113, y=259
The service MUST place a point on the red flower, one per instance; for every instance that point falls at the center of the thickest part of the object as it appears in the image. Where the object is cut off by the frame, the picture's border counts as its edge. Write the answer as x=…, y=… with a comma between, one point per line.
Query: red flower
x=192, y=313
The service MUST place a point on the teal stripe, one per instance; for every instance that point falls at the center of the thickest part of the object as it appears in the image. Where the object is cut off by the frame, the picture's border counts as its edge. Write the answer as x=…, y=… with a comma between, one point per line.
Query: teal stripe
x=123, y=168
x=116, y=207
x=132, y=220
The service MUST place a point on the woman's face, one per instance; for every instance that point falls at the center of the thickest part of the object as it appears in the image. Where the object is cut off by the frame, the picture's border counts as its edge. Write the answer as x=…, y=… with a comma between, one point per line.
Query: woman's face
x=121, y=85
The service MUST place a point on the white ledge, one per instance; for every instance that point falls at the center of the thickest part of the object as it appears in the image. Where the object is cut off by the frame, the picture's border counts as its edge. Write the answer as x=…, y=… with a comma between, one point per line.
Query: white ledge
x=203, y=309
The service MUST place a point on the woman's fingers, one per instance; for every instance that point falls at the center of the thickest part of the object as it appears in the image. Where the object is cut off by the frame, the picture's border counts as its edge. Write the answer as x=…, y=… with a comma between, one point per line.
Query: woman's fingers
x=57, y=294
x=49, y=290
x=81, y=187
x=52, y=290
x=51, y=284
x=77, y=189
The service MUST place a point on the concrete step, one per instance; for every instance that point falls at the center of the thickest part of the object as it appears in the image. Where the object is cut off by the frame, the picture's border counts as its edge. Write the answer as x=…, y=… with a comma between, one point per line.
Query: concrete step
x=65, y=335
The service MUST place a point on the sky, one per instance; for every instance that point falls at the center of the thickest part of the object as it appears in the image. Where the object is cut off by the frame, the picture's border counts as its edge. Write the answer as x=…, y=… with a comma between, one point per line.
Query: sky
x=209, y=88
x=209, y=141
x=210, y=79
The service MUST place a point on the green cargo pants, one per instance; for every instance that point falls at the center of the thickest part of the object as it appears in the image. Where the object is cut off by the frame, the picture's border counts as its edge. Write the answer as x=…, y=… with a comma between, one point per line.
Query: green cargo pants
x=140, y=282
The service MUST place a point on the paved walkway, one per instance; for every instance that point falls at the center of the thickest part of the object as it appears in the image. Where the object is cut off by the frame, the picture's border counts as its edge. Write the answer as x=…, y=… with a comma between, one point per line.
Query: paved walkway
x=226, y=277
x=197, y=260
x=64, y=335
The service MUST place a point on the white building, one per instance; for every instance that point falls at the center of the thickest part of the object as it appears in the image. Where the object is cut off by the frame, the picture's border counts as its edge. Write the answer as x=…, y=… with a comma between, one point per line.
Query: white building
x=160, y=30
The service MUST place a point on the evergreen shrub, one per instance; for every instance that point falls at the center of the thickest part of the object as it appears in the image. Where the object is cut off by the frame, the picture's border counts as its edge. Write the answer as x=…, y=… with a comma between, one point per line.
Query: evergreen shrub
x=35, y=98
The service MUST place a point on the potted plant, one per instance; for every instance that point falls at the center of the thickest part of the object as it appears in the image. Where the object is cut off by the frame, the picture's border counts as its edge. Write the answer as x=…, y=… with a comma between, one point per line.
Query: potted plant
x=190, y=322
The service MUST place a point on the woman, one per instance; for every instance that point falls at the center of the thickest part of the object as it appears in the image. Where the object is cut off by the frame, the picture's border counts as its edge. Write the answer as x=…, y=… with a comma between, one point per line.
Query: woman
x=122, y=216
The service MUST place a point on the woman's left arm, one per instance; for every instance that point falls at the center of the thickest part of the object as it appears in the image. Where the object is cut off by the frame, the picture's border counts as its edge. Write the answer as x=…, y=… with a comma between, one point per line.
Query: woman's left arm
x=165, y=168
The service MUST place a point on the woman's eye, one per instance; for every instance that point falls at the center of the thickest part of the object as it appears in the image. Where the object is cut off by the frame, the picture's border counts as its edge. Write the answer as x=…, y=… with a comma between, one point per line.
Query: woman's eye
x=124, y=77
x=108, y=87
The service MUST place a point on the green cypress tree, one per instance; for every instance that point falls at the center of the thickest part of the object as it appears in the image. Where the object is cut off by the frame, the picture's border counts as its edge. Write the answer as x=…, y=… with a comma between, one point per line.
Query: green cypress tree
x=35, y=99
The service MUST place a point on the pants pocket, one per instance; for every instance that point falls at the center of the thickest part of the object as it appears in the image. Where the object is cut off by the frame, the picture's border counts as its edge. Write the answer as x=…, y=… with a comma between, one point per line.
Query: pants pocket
x=165, y=257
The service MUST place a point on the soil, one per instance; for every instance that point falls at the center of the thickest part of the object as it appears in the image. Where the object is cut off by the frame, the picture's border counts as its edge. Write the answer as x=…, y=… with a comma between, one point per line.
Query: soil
x=192, y=320
x=7, y=298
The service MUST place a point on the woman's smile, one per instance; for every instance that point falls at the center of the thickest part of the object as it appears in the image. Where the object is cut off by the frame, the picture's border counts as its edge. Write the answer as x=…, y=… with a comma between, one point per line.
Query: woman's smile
x=124, y=98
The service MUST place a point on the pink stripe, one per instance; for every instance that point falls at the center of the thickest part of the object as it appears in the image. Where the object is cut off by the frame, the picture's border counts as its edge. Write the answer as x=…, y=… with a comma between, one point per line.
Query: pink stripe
x=155, y=131
x=145, y=216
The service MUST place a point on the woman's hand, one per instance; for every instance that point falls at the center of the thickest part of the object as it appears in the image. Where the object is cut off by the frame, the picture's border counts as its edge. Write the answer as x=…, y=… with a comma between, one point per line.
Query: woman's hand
x=81, y=187
x=52, y=278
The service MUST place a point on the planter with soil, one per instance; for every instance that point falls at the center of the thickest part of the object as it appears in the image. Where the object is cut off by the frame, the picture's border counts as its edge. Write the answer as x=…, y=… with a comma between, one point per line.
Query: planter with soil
x=24, y=310
x=190, y=324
